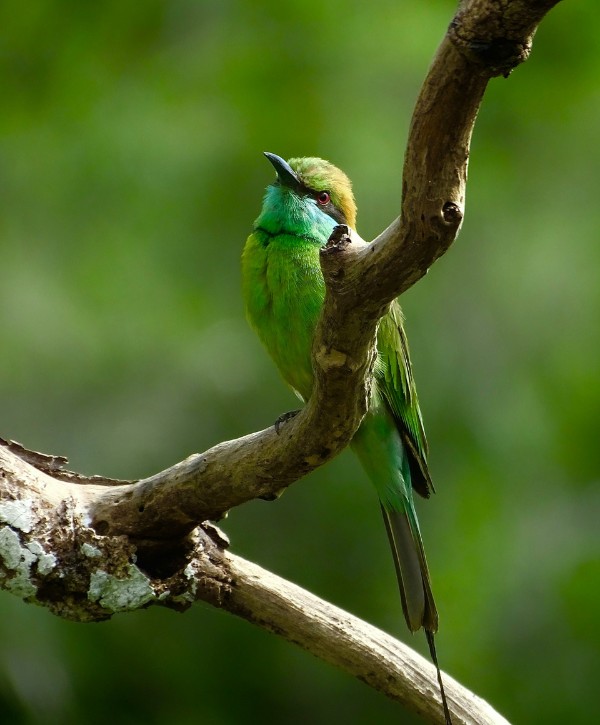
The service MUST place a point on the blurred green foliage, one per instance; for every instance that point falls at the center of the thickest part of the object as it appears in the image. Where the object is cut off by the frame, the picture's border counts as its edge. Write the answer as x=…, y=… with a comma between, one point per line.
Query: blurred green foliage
x=130, y=173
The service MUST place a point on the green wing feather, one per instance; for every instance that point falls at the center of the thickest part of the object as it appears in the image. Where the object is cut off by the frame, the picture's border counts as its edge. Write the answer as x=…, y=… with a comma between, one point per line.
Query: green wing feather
x=393, y=374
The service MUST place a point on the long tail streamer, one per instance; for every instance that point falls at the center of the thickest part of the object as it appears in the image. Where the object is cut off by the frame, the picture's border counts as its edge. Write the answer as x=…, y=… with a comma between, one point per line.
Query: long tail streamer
x=433, y=653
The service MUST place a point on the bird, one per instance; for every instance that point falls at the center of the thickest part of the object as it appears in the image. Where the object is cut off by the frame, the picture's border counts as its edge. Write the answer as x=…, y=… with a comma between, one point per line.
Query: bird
x=283, y=290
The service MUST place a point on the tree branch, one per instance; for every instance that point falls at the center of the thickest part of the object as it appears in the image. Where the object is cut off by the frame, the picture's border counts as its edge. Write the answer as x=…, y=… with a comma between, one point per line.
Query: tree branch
x=486, y=38
x=49, y=556
x=88, y=547
x=360, y=649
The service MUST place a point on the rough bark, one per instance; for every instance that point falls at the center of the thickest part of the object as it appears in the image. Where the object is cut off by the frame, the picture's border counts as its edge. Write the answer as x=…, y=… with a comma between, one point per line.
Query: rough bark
x=50, y=556
x=89, y=547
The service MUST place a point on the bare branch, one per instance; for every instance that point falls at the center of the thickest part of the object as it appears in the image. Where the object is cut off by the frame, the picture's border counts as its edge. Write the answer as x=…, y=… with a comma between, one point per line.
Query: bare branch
x=49, y=556
x=87, y=551
x=354, y=646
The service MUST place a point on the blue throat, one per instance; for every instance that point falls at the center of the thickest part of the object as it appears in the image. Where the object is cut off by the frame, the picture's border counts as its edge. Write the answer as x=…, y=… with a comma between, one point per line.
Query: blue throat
x=285, y=212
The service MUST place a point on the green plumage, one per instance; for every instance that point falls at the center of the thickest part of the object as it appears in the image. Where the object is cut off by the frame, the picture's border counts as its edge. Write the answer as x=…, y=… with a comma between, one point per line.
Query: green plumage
x=284, y=291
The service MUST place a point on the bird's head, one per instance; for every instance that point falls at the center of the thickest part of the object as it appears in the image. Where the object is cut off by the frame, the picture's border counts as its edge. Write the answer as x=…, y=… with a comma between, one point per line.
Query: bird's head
x=308, y=192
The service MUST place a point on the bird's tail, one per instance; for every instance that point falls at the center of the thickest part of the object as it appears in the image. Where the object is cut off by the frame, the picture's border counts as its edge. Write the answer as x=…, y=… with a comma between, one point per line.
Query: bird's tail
x=412, y=572
x=382, y=454
x=434, y=659
x=418, y=604
x=385, y=460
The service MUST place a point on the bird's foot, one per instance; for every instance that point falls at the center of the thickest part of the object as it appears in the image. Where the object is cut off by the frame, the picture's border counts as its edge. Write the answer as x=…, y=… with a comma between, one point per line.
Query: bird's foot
x=284, y=419
x=272, y=496
x=278, y=423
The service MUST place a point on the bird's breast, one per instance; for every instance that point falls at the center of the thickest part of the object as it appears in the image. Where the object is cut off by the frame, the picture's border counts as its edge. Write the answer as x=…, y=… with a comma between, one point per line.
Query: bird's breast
x=284, y=291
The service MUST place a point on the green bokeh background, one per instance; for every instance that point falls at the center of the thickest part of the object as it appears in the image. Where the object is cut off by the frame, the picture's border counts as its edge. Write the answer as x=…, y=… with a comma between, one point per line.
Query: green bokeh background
x=130, y=172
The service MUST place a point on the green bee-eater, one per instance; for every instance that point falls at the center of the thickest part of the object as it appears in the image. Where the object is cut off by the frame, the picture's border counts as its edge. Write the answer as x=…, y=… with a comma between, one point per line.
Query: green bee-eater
x=284, y=291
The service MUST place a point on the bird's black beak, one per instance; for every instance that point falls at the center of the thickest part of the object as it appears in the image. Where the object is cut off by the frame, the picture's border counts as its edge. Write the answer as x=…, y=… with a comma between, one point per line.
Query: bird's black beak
x=286, y=175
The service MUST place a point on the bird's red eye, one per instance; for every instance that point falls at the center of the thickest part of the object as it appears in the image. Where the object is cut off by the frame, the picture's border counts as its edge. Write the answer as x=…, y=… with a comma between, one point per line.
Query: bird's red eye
x=323, y=198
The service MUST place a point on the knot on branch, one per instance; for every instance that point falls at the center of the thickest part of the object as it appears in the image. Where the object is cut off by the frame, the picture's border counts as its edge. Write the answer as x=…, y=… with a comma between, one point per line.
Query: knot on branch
x=339, y=257
x=497, y=36
x=338, y=241
x=332, y=258
x=500, y=56
x=452, y=214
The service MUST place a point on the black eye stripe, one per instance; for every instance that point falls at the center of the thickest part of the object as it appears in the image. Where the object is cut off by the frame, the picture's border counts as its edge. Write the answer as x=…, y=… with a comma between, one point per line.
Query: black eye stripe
x=330, y=209
x=334, y=212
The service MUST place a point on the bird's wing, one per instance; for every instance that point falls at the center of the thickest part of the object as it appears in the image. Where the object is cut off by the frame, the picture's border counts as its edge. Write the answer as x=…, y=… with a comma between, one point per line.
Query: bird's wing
x=394, y=377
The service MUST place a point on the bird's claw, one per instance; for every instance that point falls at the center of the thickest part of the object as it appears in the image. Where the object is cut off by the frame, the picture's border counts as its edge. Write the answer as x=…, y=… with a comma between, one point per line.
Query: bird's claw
x=284, y=419
x=278, y=423
x=272, y=496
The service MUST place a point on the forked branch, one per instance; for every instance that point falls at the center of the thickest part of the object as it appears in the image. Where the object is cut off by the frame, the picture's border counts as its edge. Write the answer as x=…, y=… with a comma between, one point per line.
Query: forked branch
x=89, y=547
